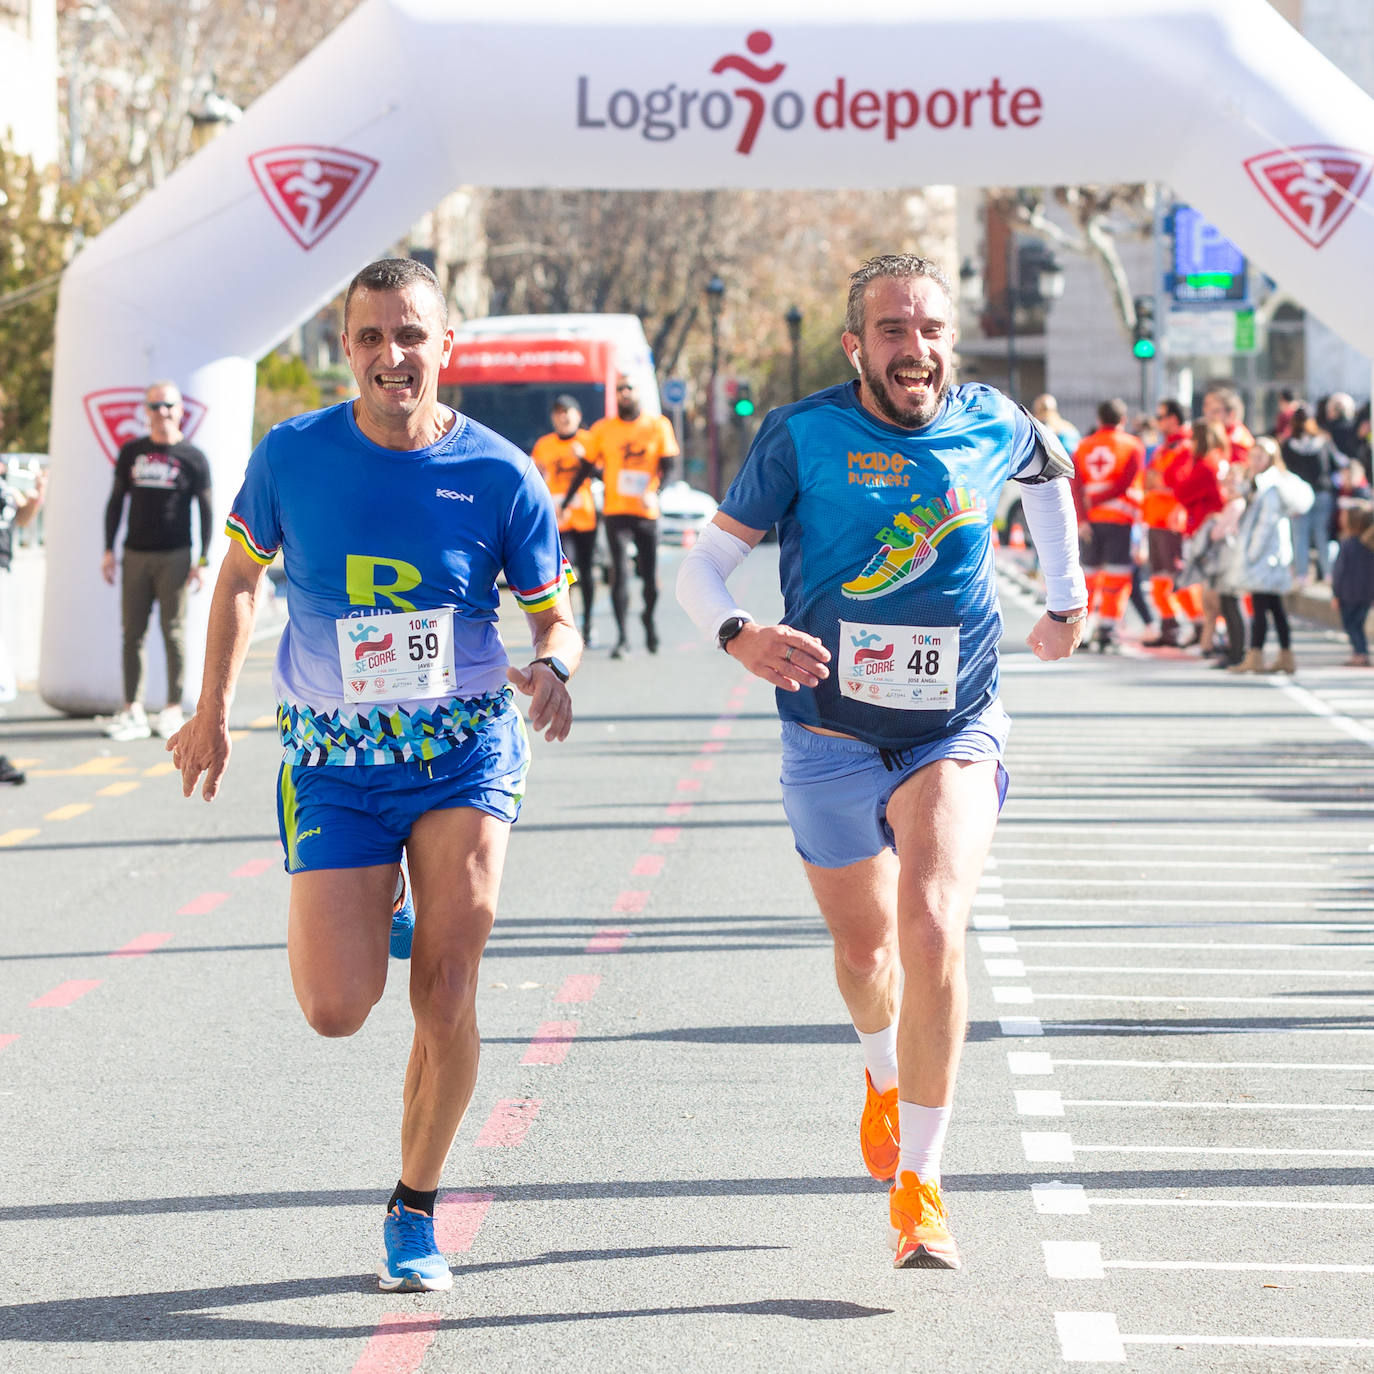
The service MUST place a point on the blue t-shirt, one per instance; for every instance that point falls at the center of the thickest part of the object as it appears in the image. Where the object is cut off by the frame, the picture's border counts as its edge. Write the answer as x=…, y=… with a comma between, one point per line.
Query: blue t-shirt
x=368, y=531
x=886, y=532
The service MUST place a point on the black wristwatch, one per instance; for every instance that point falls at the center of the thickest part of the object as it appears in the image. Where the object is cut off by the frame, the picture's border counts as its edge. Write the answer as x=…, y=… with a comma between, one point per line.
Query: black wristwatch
x=557, y=666
x=1072, y=618
x=729, y=629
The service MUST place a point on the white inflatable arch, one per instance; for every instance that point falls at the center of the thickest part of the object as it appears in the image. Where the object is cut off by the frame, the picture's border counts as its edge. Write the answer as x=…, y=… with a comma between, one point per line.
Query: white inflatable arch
x=1221, y=99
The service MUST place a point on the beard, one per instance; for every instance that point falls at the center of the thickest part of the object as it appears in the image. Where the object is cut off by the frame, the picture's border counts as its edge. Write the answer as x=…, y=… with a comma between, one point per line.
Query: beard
x=913, y=416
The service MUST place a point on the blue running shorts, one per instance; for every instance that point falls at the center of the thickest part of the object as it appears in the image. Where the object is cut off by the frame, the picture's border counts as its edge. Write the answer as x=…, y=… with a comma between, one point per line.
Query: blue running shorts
x=835, y=791
x=331, y=816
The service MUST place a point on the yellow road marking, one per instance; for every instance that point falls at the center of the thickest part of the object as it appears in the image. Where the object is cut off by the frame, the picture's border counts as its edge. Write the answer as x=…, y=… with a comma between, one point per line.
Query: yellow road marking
x=118, y=789
x=13, y=837
x=264, y=723
x=160, y=770
x=92, y=768
x=236, y=735
x=68, y=812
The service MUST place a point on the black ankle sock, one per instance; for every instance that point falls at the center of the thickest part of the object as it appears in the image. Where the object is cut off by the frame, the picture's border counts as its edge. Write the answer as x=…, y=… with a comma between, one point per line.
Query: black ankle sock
x=415, y=1200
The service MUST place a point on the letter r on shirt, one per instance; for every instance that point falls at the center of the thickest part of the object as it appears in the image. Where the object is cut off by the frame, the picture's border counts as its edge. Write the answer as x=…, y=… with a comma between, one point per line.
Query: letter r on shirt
x=364, y=589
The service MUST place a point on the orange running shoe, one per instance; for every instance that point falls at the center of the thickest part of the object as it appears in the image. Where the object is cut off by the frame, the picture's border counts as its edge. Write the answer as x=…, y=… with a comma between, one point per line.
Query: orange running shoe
x=918, y=1217
x=878, y=1132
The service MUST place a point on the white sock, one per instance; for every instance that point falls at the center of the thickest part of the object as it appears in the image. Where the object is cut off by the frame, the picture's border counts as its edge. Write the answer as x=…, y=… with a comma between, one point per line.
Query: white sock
x=922, y=1131
x=880, y=1056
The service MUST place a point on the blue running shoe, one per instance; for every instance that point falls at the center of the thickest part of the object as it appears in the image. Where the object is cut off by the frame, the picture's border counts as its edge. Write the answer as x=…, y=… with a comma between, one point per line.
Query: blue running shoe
x=402, y=919
x=413, y=1263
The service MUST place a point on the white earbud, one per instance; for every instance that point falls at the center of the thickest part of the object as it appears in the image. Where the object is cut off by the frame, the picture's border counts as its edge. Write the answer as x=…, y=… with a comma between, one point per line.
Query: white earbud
x=854, y=358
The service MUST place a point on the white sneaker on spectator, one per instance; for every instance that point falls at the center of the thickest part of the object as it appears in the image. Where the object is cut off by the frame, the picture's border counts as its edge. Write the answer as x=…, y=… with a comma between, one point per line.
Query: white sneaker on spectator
x=169, y=720
x=129, y=725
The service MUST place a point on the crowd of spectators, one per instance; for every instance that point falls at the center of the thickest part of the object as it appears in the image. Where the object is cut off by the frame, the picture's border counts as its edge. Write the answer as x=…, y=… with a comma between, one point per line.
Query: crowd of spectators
x=1226, y=524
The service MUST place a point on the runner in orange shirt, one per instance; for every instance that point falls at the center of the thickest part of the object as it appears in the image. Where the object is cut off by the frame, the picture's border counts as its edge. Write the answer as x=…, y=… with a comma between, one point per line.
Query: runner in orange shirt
x=1165, y=519
x=559, y=457
x=634, y=452
x=1108, y=465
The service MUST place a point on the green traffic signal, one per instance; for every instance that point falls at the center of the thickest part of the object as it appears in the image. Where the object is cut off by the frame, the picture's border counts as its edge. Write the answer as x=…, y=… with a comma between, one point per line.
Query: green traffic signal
x=1144, y=349
x=744, y=406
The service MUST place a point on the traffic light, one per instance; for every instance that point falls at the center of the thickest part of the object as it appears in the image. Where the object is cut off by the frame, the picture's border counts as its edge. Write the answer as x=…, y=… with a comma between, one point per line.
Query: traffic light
x=744, y=400
x=1144, y=337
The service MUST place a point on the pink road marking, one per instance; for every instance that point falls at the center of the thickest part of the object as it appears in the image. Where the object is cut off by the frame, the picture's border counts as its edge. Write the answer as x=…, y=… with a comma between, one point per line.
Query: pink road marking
x=722, y=729
x=7, y=1040
x=204, y=904
x=509, y=1122
x=712, y=746
x=141, y=944
x=457, y=1219
x=551, y=1043
x=398, y=1344
x=64, y=994
x=667, y=834
x=689, y=784
x=630, y=900
x=648, y=866
x=678, y=811
x=253, y=867
x=702, y=765
x=578, y=987
x=607, y=942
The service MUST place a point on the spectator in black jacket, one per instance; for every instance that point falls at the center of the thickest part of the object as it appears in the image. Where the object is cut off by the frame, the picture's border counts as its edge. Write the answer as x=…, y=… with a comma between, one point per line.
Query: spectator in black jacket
x=1309, y=452
x=1352, y=579
x=160, y=476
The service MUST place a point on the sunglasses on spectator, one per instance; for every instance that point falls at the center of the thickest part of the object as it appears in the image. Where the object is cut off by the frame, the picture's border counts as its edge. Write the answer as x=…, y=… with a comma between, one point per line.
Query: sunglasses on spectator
x=161, y=405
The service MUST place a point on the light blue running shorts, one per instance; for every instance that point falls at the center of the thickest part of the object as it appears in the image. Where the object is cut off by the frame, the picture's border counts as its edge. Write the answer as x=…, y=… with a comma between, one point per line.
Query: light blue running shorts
x=835, y=791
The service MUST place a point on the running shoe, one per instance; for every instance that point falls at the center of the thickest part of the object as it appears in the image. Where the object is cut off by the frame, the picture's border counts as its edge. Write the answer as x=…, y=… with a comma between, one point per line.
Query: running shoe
x=129, y=725
x=402, y=918
x=921, y=1227
x=650, y=635
x=878, y=1142
x=413, y=1263
x=8, y=772
x=169, y=720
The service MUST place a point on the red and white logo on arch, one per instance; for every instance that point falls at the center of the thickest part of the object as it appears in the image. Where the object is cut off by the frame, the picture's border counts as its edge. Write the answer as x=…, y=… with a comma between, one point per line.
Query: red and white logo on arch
x=118, y=415
x=1313, y=186
x=310, y=189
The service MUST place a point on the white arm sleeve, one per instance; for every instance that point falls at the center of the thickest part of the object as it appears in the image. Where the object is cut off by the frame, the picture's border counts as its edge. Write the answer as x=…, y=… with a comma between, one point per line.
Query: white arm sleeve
x=702, y=575
x=1053, y=527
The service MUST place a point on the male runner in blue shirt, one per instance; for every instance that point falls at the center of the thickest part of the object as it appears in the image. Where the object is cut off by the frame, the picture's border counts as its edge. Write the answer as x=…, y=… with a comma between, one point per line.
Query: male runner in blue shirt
x=394, y=516
x=884, y=491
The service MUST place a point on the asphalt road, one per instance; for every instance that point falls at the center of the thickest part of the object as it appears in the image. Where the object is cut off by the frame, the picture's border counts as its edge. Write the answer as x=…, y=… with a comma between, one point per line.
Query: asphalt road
x=1163, y=1147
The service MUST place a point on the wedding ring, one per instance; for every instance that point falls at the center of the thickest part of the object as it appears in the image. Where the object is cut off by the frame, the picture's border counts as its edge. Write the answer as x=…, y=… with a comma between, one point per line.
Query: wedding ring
x=787, y=657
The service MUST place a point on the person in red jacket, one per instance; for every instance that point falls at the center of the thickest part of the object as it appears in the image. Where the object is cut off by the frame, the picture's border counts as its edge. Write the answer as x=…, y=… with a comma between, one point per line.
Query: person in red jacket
x=1164, y=519
x=1194, y=476
x=1108, y=469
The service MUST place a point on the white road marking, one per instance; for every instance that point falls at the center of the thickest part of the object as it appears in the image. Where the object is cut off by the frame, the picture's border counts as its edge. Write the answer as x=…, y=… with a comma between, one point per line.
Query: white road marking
x=1038, y=1102
x=1185, y=944
x=988, y=899
x=1029, y=1062
x=1164, y=1028
x=1005, y=968
x=1023, y=1025
x=1089, y=1337
x=1073, y=1259
x=1187, y=971
x=1119, y=882
x=1289, y=1002
x=1311, y=702
x=1297, y=1206
x=1060, y=1199
x=997, y=944
x=1289, y=1342
x=1207, y=1106
x=1012, y=996
x=987, y=920
x=1047, y=1147
x=1189, y=1064
x=1211, y=865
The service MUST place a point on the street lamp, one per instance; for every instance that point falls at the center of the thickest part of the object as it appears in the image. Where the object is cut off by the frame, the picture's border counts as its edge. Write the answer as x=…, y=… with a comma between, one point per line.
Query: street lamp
x=1047, y=286
x=794, y=324
x=715, y=291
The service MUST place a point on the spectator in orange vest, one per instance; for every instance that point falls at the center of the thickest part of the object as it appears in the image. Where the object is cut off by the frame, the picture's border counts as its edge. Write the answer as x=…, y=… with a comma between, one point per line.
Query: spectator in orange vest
x=1108, y=469
x=1164, y=519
